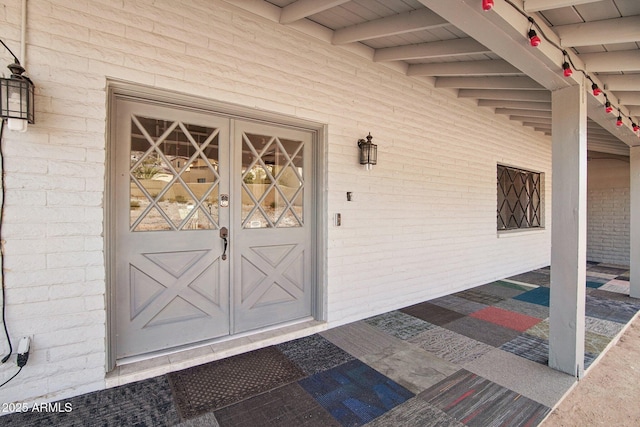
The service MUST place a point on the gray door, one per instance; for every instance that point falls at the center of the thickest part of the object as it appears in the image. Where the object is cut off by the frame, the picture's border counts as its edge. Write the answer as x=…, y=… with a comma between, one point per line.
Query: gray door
x=172, y=287
x=272, y=259
x=181, y=177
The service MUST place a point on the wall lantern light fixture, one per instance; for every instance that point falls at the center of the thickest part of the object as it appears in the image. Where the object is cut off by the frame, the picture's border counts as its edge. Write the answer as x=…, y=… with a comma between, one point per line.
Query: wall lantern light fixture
x=16, y=97
x=368, y=152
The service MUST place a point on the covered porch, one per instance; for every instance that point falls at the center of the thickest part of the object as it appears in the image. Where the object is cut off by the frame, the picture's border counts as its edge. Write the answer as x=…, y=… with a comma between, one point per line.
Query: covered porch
x=476, y=357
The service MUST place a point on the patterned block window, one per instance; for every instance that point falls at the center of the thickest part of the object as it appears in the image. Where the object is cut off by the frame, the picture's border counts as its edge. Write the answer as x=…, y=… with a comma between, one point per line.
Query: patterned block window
x=519, y=199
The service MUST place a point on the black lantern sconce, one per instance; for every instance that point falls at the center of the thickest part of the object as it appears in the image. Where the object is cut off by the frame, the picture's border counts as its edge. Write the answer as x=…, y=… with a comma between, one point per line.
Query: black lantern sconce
x=368, y=152
x=16, y=97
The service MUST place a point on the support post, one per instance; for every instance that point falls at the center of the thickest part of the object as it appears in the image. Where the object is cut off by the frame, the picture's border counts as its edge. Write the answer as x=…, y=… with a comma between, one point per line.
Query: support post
x=569, y=230
x=634, y=235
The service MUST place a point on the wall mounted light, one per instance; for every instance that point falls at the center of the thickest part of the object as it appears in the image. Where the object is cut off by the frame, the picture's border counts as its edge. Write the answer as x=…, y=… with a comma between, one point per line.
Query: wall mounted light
x=368, y=152
x=16, y=99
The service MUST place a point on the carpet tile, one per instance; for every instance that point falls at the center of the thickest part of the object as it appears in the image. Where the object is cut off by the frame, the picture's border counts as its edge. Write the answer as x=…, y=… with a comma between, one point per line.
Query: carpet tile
x=399, y=324
x=432, y=313
x=614, y=271
x=538, y=296
x=592, y=284
x=143, y=403
x=289, y=405
x=450, y=346
x=508, y=319
x=217, y=384
x=503, y=289
x=460, y=305
x=606, y=309
x=618, y=286
x=314, y=354
x=532, y=348
x=593, y=343
x=533, y=278
x=479, y=296
x=354, y=393
x=361, y=339
x=603, y=327
x=476, y=401
x=522, y=307
x=415, y=412
x=481, y=330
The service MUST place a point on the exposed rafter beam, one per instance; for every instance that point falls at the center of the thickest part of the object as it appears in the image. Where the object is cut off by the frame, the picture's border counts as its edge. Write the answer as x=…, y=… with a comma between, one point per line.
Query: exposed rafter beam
x=528, y=113
x=521, y=105
x=303, y=8
x=627, y=82
x=464, y=68
x=528, y=119
x=607, y=31
x=511, y=95
x=524, y=83
x=537, y=5
x=621, y=60
x=504, y=31
x=629, y=98
x=415, y=20
x=455, y=47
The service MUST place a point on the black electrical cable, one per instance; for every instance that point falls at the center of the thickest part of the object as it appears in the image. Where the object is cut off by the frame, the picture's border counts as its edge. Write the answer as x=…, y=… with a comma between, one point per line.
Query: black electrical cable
x=7, y=47
x=14, y=375
x=4, y=299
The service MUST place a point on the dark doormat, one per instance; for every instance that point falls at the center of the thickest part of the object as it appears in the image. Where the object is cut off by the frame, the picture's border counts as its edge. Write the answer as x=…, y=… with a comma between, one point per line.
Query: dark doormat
x=221, y=383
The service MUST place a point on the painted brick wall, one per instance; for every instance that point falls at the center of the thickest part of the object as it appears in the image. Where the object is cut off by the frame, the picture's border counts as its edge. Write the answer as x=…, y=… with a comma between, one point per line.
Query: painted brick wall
x=608, y=210
x=422, y=223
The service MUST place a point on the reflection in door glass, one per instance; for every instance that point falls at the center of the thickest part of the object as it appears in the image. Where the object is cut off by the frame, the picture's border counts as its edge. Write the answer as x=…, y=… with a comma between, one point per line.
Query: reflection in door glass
x=173, y=175
x=272, y=182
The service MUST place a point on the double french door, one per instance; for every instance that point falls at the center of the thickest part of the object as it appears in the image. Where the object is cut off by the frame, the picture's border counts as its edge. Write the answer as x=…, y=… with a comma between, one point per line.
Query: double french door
x=213, y=226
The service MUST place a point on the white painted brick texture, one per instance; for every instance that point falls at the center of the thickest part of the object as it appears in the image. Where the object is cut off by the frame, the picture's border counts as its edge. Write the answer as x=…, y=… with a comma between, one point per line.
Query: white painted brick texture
x=422, y=223
x=608, y=207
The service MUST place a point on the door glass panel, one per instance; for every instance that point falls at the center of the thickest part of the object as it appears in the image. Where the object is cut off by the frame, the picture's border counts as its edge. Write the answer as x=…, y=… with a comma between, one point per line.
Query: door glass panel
x=174, y=175
x=272, y=178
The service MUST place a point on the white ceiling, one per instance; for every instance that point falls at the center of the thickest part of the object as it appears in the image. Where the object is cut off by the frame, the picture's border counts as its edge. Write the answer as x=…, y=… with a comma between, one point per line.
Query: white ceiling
x=486, y=56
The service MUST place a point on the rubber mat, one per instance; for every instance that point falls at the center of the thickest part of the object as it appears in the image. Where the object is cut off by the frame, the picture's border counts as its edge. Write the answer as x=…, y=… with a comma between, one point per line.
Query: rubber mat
x=221, y=383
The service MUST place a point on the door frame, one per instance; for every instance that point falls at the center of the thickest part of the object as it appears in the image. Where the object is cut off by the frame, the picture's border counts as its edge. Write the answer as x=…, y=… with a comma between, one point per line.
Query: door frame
x=117, y=89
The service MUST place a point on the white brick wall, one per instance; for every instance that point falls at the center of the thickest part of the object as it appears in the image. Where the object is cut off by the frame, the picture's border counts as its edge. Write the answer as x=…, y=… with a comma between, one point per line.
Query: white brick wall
x=422, y=223
x=608, y=210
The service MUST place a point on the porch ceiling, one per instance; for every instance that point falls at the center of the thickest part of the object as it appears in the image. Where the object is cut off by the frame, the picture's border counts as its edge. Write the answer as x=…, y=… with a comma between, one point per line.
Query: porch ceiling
x=485, y=56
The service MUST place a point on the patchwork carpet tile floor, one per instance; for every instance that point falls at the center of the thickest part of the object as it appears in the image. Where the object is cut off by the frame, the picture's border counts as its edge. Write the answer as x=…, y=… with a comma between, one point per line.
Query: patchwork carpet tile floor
x=462, y=359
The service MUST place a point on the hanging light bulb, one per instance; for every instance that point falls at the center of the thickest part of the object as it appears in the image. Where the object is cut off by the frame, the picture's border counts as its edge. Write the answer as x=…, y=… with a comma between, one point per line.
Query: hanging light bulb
x=619, y=121
x=567, y=69
x=608, y=108
x=487, y=5
x=635, y=127
x=534, y=40
x=596, y=90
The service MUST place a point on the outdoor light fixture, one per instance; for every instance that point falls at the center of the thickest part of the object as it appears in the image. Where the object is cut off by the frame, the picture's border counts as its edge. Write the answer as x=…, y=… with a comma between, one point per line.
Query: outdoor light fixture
x=567, y=69
x=619, y=121
x=368, y=152
x=635, y=127
x=534, y=40
x=596, y=90
x=16, y=99
x=487, y=5
x=608, y=108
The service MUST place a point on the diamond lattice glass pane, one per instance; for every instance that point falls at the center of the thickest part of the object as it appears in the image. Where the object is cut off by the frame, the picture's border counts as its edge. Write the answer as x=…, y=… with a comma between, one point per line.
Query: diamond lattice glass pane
x=176, y=163
x=199, y=221
x=289, y=219
x=273, y=205
x=153, y=221
x=257, y=220
x=294, y=150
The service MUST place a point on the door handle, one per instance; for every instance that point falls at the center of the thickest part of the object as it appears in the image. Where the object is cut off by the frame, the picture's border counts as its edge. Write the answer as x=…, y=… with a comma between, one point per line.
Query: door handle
x=224, y=234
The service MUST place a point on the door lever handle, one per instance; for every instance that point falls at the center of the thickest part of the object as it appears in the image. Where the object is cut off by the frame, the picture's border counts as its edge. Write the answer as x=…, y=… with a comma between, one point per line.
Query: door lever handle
x=224, y=234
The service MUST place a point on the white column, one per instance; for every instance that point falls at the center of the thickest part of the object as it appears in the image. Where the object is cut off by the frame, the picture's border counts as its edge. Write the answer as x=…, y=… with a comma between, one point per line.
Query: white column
x=569, y=230
x=634, y=258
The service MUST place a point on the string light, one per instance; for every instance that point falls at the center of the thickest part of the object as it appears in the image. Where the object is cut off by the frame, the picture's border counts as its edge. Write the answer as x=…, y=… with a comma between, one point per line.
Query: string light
x=567, y=65
x=608, y=108
x=487, y=5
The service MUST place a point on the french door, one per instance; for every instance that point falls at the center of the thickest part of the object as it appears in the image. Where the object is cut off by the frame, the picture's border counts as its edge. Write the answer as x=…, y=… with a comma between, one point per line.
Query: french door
x=213, y=226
